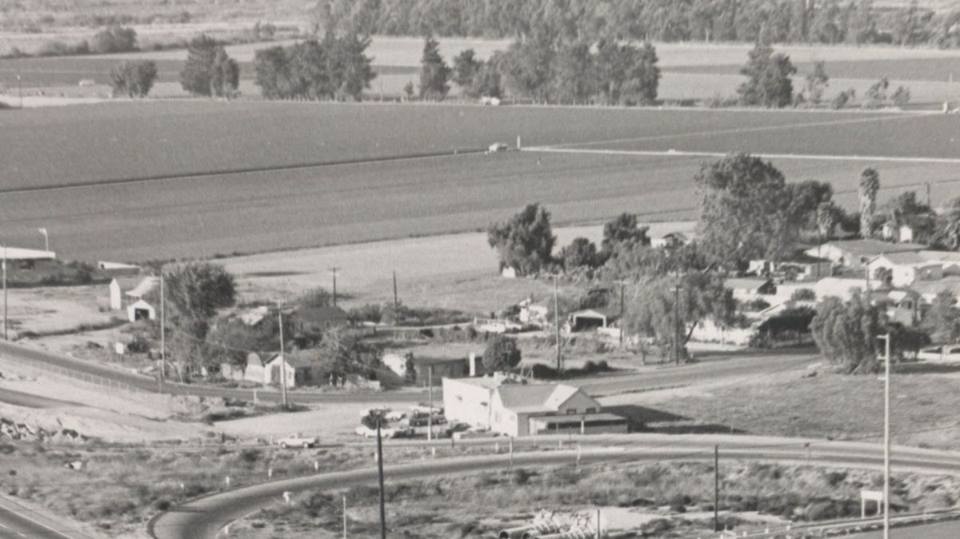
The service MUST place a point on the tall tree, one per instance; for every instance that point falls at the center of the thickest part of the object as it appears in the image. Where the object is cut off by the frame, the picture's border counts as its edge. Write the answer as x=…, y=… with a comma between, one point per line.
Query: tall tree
x=434, y=72
x=867, y=196
x=208, y=69
x=525, y=241
x=816, y=82
x=947, y=233
x=655, y=312
x=942, y=320
x=828, y=216
x=501, y=354
x=862, y=27
x=224, y=74
x=573, y=74
x=133, y=78
x=846, y=333
x=748, y=211
x=466, y=66
x=621, y=229
x=581, y=253
x=768, y=78
x=825, y=27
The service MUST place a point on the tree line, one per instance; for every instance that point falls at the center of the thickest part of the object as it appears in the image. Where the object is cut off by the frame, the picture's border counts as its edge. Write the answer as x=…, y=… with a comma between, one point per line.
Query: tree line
x=771, y=21
x=332, y=68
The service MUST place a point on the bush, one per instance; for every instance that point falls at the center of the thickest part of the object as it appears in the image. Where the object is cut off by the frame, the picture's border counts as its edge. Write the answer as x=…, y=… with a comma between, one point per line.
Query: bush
x=804, y=294
x=114, y=39
x=521, y=476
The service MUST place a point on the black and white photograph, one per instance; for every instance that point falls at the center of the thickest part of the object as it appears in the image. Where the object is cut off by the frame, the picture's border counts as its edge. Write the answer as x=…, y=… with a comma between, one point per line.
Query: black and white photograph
x=479, y=269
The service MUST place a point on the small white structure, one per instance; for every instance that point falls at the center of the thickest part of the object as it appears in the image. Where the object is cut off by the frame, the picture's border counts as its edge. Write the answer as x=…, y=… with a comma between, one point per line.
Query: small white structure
x=904, y=269
x=508, y=272
x=898, y=233
x=839, y=287
x=273, y=376
x=533, y=313
x=397, y=362
x=141, y=310
x=856, y=254
x=18, y=253
x=584, y=320
x=130, y=289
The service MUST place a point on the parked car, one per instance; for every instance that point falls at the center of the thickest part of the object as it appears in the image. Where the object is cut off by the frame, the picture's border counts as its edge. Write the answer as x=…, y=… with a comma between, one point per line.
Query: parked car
x=497, y=147
x=303, y=442
x=385, y=432
x=945, y=353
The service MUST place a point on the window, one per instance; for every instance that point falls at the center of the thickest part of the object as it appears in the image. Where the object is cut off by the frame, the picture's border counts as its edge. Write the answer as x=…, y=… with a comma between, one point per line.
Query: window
x=571, y=411
x=591, y=410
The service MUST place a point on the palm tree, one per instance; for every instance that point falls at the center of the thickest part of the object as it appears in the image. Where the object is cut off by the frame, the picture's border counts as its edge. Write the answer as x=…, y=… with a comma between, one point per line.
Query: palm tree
x=869, y=186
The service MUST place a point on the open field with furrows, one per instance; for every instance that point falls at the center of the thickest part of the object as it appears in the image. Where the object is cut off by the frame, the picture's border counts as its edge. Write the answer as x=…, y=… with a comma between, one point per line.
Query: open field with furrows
x=270, y=207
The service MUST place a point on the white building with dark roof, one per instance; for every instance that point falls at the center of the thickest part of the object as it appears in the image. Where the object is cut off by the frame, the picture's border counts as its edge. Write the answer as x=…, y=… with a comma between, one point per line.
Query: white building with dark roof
x=856, y=254
x=521, y=409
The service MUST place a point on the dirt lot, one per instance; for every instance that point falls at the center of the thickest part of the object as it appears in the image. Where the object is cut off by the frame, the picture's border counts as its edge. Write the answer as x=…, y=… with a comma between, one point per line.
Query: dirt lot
x=56, y=309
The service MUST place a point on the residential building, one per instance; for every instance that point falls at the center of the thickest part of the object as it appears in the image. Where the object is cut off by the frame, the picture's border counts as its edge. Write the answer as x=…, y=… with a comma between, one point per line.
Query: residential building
x=840, y=287
x=427, y=368
x=905, y=268
x=521, y=409
x=928, y=290
x=746, y=289
x=892, y=231
x=302, y=369
x=670, y=240
x=533, y=313
x=857, y=254
x=130, y=289
x=799, y=267
x=584, y=320
x=141, y=310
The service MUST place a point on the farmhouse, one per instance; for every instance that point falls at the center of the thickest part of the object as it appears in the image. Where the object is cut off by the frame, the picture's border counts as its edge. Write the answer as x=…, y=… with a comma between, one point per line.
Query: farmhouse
x=521, y=409
x=856, y=254
x=301, y=370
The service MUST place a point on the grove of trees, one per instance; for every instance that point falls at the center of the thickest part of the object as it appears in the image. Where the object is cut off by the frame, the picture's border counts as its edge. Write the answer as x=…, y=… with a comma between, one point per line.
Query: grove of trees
x=525, y=241
x=334, y=68
x=209, y=70
x=770, y=21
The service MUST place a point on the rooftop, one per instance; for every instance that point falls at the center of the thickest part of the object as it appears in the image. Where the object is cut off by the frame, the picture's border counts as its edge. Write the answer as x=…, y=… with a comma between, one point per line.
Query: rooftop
x=745, y=283
x=871, y=247
x=530, y=398
x=909, y=258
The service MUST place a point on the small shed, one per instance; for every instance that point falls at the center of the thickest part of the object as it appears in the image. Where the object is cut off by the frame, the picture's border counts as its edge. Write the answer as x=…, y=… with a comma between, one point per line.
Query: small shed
x=300, y=371
x=586, y=320
x=141, y=310
x=254, y=371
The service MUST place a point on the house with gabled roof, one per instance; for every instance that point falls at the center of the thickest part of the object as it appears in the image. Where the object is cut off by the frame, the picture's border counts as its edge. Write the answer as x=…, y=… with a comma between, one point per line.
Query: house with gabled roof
x=856, y=254
x=522, y=409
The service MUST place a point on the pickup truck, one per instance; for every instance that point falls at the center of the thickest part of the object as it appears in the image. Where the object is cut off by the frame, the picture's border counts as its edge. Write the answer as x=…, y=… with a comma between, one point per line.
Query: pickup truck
x=298, y=441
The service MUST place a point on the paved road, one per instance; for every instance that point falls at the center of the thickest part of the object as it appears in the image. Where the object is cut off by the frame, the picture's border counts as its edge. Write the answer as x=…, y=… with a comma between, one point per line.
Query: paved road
x=752, y=364
x=649, y=378
x=18, y=398
x=941, y=530
x=18, y=523
x=205, y=517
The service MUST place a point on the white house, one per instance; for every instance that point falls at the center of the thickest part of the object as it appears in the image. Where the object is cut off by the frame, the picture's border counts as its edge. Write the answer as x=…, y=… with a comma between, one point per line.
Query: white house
x=124, y=289
x=904, y=269
x=891, y=231
x=839, y=287
x=856, y=254
x=520, y=409
x=533, y=313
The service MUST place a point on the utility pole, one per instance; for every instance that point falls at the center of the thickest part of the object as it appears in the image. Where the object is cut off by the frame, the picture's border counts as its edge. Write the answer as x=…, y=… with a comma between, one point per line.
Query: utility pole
x=622, y=323
x=676, y=322
x=556, y=320
x=383, y=510
x=396, y=300
x=929, y=201
x=344, y=516
x=333, y=270
x=5, y=293
x=283, y=363
x=20, y=90
x=886, y=435
x=716, y=488
x=430, y=393
x=163, y=334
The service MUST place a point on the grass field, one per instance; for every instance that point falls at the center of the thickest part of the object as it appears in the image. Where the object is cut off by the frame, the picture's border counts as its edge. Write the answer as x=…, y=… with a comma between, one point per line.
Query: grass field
x=265, y=209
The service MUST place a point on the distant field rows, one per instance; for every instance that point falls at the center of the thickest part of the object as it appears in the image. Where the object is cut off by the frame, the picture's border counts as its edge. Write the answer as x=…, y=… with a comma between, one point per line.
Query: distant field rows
x=318, y=205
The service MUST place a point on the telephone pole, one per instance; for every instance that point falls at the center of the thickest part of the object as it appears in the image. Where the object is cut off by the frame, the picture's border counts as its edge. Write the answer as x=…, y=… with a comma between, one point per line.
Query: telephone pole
x=430, y=398
x=163, y=334
x=396, y=300
x=383, y=509
x=5, y=293
x=676, y=323
x=716, y=488
x=886, y=435
x=333, y=271
x=556, y=320
x=283, y=363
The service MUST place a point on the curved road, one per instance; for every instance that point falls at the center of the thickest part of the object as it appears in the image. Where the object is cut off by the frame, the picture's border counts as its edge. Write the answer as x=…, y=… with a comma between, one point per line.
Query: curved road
x=205, y=517
x=648, y=378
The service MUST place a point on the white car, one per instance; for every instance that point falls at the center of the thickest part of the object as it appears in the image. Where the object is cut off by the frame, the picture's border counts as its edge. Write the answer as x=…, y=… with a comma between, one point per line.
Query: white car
x=298, y=441
x=497, y=147
x=947, y=353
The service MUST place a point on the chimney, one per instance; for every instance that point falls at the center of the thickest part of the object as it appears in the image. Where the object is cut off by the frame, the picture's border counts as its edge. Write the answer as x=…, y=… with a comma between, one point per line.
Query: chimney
x=472, y=364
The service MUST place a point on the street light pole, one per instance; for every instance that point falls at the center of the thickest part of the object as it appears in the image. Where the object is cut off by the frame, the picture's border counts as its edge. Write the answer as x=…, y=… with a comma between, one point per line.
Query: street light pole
x=886, y=436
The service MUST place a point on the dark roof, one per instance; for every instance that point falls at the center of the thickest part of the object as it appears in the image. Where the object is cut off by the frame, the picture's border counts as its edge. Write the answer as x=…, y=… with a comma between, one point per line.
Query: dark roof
x=321, y=315
x=870, y=247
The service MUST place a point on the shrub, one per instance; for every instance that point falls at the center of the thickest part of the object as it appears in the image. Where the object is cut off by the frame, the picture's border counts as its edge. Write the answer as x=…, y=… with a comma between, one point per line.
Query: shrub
x=114, y=39
x=521, y=476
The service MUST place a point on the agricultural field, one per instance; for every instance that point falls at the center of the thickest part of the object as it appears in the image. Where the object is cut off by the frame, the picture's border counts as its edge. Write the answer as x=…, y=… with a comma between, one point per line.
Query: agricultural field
x=207, y=178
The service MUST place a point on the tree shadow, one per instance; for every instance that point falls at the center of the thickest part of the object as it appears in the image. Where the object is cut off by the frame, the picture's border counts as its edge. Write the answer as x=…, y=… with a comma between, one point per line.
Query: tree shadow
x=691, y=428
x=927, y=368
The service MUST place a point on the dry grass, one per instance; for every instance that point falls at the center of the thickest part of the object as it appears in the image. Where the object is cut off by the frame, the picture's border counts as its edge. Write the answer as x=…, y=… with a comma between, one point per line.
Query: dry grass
x=476, y=505
x=826, y=406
